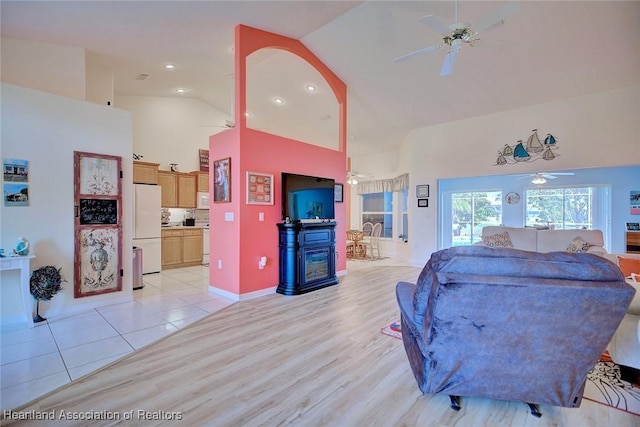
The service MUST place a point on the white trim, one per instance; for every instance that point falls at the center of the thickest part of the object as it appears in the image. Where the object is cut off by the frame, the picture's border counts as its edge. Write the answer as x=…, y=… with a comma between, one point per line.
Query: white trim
x=242, y=297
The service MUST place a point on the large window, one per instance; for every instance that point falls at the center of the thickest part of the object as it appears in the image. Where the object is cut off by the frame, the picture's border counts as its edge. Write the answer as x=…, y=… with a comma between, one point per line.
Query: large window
x=472, y=211
x=378, y=207
x=562, y=208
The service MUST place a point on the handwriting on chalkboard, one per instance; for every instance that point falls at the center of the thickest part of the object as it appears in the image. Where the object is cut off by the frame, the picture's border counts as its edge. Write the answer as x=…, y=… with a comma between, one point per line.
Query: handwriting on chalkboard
x=98, y=211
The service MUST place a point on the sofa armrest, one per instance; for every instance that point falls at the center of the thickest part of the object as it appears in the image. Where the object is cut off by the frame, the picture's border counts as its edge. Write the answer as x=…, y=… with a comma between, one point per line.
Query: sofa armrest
x=405, y=294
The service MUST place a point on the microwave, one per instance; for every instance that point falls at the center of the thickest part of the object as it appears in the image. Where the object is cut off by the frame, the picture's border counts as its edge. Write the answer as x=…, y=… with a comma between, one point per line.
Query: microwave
x=202, y=200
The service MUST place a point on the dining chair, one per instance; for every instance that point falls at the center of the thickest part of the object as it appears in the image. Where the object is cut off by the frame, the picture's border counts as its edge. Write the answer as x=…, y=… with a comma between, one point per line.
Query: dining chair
x=372, y=242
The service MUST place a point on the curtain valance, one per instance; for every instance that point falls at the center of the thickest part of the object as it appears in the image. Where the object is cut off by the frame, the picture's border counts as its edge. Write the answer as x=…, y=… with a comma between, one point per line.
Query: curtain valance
x=398, y=183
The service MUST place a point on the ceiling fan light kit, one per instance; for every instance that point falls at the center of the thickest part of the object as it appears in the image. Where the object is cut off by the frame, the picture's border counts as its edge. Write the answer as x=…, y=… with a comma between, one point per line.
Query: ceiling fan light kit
x=459, y=33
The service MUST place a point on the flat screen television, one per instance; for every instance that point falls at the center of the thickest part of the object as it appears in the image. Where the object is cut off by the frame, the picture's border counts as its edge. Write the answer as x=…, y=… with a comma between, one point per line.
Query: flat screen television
x=307, y=197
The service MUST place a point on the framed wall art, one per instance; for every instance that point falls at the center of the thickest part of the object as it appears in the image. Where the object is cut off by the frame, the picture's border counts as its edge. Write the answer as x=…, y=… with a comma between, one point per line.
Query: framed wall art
x=16, y=186
x=422, y=191
x=259, y=188
x=98, y=224
x=222, y=180
x=339, y=193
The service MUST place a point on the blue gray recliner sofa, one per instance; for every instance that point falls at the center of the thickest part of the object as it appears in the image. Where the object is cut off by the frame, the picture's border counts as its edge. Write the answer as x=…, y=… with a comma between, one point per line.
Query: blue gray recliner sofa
x=510, y=324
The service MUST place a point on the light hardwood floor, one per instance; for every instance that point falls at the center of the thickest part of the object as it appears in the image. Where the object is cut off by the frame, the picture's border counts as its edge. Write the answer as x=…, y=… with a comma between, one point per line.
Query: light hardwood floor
x=316, y=359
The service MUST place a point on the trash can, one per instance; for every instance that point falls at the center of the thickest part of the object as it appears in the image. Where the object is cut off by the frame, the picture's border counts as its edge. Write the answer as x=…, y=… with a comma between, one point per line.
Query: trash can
x=137, y=268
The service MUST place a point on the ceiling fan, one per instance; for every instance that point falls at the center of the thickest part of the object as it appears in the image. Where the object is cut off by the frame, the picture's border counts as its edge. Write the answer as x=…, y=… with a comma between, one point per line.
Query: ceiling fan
x=352, y=177
x=540, y=178
x=460, y=33
x=228, y=124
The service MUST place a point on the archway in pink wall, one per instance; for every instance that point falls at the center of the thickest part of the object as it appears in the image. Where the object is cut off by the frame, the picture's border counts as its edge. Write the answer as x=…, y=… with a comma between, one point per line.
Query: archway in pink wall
x=308, y=112
x=249, y=40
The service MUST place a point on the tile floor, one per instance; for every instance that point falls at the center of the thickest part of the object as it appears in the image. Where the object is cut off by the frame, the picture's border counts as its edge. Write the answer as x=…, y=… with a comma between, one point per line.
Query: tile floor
x=38, y=360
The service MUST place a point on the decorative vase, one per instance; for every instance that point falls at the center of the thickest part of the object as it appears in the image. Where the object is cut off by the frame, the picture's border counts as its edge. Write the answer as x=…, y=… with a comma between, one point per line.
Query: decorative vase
x=22, y=246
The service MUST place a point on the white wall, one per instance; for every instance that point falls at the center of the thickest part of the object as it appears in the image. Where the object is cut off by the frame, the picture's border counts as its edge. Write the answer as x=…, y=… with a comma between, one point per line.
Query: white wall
x=45, y=130
x=44, y=66
x=171, y=130
x=593, y=131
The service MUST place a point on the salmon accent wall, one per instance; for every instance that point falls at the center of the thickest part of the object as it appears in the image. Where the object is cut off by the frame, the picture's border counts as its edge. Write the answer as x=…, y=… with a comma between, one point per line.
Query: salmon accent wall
x=240, y=243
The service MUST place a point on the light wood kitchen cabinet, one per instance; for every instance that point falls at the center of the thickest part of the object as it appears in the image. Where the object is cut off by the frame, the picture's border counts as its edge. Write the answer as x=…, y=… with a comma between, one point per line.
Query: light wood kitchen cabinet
x=186, y=190
x=202, y=179
x=169, y=183
x=178, y=189
x=192, y=246
x=181, y=248
x=145, y=172
x=171, y=248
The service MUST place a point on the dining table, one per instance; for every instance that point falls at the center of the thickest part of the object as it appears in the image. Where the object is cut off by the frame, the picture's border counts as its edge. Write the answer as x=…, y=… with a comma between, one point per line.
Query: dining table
x=355, y=250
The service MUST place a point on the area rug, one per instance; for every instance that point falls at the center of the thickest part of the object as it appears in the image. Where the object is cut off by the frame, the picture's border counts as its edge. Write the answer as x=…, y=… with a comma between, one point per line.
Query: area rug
x=604, y=384
x=393, y=330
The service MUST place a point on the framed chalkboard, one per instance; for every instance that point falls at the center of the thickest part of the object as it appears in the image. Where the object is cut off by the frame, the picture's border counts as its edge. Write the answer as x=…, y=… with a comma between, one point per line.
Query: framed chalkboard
x=633, y=226
x=97, y=201
x=98, y=211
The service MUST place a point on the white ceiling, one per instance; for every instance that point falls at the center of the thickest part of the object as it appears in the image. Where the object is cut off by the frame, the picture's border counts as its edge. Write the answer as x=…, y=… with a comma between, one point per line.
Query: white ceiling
x=544, y=52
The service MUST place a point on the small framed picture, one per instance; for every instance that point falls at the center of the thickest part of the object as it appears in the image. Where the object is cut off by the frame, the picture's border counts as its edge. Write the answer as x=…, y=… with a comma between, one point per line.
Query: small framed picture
x=422, y=191
x=337, y=193
x=259, y=188
x=222, y=180
x=423, y=203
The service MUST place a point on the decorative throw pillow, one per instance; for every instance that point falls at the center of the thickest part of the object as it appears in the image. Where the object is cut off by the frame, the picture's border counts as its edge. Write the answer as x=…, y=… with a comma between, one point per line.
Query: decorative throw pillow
x=578, y=245
x=500, y=240
x=629, y=265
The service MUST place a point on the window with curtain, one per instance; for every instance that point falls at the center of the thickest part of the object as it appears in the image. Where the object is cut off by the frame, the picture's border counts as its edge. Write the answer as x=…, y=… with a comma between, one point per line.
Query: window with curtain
x=470, y=212
x=385, y=201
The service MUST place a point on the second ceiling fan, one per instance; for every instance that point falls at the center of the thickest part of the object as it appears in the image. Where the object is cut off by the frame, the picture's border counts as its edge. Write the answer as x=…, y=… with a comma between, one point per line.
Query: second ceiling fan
x=460, y=33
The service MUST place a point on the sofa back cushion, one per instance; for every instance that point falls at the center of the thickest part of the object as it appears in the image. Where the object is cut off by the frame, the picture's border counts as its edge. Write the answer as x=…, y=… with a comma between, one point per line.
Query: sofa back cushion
x=559, y=240
x=521, y=238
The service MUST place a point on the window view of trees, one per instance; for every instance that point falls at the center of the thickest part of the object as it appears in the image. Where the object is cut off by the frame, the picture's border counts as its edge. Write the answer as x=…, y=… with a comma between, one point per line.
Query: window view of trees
x=562, y=208
x=471, y=212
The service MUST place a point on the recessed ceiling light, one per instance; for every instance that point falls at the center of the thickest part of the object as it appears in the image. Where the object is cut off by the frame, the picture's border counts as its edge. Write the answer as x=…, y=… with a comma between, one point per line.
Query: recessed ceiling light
x=181, y=90
x=278, y=101
x=169, y=66
x=311, y=88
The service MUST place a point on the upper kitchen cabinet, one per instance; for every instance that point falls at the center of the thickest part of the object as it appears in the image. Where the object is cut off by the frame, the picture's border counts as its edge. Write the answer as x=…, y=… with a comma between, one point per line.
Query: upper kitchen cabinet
x=145, y=172
x=186, y=190
x=202, y=181
x=169, y=183
x=178, y=189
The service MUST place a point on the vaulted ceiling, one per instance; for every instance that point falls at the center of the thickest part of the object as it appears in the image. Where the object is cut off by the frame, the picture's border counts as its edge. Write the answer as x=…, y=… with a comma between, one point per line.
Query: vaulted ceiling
x=543, y=52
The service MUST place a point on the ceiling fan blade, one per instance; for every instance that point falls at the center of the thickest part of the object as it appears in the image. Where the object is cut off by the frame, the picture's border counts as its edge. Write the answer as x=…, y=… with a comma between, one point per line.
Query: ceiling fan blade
x=449, y=62
x=417, y=52
x=548, y=176
x=498, y=17
x=435, y=24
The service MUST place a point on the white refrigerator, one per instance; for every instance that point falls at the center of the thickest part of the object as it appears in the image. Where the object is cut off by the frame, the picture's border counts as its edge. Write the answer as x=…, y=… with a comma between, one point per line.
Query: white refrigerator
x=146, y=226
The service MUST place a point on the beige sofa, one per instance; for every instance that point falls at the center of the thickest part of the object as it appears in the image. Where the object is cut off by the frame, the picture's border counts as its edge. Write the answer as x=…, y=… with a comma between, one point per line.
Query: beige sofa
x=534, y=240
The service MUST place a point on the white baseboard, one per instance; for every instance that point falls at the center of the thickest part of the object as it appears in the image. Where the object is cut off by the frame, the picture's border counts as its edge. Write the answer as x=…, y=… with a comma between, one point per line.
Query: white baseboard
x=242, y=297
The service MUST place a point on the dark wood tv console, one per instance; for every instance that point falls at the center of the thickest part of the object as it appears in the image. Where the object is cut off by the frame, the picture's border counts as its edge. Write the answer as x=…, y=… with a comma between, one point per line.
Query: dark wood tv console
x=307, y=256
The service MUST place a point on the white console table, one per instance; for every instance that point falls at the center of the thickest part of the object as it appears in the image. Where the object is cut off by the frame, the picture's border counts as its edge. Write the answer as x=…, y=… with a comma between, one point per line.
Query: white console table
x=22, y=263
